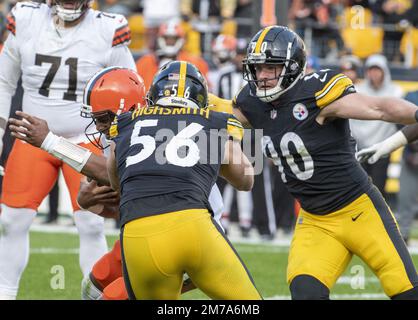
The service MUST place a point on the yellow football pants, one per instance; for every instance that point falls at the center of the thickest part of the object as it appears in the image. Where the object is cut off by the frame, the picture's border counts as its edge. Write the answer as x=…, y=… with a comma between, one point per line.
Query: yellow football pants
x=322, y=246
x=158, y=250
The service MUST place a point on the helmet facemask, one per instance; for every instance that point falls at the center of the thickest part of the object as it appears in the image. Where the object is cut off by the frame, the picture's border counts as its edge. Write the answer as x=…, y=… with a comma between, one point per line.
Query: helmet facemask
x=286, y=79
x=93, y=132
x=70, y=10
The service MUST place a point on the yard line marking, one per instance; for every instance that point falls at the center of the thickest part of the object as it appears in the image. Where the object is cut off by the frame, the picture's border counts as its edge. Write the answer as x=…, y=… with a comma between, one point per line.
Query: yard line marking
x=54, y=251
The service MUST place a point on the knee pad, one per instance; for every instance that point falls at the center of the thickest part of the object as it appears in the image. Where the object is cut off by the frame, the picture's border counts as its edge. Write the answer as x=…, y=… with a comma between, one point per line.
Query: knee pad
x=109, y=267
x=116, y=290
x=306, y=287
x=88, y=223
x=411, y=294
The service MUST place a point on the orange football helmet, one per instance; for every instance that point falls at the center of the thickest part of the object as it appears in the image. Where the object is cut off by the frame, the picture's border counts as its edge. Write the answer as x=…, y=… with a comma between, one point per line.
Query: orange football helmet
x=109, y=93
x=224, y=48
x=171, y=38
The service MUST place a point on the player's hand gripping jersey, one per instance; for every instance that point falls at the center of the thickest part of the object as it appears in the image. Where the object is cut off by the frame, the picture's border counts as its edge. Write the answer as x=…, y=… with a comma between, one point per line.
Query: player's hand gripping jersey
x=316, y=161
x=56, y=62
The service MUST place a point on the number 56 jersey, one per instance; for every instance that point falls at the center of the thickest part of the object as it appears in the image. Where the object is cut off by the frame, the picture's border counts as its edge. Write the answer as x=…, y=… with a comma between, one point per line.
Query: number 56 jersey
x=56, y=62
x=168, y=159
x=316, y=162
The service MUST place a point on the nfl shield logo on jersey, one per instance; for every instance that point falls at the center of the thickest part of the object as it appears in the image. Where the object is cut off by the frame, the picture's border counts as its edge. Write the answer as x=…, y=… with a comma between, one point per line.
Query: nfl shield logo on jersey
x=300, y=112
x=273, y=114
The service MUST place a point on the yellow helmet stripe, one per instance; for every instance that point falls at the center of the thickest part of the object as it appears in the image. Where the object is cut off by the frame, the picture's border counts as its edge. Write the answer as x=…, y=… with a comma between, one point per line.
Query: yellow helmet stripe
x=182, y=79
x=261, y=39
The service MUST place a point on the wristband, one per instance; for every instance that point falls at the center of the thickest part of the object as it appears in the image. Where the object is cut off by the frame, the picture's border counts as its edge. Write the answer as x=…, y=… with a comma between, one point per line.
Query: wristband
x=72, y=154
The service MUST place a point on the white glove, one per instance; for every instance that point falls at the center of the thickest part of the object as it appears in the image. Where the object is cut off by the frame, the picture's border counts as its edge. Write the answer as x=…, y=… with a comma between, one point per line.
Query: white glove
x=382, y=149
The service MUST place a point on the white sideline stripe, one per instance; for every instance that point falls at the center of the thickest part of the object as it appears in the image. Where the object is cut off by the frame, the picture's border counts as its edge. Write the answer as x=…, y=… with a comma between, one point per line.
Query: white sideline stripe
x=347, y=280
x=339, y=296
x=54, y=251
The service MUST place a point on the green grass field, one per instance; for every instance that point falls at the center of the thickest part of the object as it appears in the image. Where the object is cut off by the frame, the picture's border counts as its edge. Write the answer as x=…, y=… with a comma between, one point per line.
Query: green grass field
x=54, y=254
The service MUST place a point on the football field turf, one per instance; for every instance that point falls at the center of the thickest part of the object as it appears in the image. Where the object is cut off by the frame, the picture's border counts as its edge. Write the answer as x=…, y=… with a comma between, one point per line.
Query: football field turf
x=53, y=271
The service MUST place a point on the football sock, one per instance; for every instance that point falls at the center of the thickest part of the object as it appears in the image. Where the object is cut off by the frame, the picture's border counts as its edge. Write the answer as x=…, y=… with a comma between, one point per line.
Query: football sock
x=92, y=239
x=14, y=248
x=108, y=268
x=305, y=287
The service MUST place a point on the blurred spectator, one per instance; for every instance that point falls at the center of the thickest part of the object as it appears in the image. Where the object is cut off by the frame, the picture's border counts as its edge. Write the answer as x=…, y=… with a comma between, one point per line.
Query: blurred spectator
x=392, y=13
x=312, y=64
x=225, y=78
x=125, y=7
x=351, y=66
x=378, y=82
x=243, y=11
x=170, y=42
x=157, y=12
x=315, y=20
x=408, y=191
x=207, y=17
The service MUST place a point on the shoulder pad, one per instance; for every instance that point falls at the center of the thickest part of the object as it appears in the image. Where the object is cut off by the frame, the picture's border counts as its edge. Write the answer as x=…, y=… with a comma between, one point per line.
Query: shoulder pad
x=327, y=86
x=21, y=14
x=115, y=26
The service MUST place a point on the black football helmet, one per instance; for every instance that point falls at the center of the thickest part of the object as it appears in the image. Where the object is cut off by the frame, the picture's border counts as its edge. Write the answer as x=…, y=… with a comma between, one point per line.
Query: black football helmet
x=275, y=45
x=178, y=84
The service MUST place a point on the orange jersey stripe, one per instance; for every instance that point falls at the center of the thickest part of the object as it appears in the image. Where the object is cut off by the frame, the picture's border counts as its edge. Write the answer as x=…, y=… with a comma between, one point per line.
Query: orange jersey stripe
x=122, y=39
x=11, y=23
x=121, y=30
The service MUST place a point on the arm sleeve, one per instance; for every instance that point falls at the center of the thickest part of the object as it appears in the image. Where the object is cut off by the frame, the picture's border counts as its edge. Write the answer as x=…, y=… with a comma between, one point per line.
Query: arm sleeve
x=10, y=72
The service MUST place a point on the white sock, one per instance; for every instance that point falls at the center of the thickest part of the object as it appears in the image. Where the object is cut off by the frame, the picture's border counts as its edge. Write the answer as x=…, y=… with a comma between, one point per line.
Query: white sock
x=93, y=243
x=14, y=248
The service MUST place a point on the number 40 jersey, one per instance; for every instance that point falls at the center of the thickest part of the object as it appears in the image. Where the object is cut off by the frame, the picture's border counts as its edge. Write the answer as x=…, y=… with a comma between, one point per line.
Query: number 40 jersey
x=56, y=62
x=316, y=162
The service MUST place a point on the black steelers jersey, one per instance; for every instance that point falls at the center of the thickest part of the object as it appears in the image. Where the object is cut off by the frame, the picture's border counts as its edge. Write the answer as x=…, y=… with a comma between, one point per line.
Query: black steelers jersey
x=316, y=162
x=169, y=158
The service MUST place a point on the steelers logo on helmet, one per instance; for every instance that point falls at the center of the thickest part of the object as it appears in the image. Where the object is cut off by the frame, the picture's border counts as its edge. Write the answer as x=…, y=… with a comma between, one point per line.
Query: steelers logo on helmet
x=185, y=84
x=279, y=46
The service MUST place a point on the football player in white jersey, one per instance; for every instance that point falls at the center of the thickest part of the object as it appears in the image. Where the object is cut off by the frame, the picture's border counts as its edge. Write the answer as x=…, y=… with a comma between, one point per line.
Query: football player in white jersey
x=56, y=48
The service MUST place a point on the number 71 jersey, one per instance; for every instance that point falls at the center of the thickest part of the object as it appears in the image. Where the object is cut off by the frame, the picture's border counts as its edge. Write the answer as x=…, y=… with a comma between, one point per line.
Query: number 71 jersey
x=316, y=162
x=56, y=62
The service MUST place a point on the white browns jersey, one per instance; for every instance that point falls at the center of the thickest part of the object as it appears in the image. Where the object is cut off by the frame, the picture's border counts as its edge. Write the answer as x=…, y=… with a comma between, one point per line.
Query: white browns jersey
x=56, y=63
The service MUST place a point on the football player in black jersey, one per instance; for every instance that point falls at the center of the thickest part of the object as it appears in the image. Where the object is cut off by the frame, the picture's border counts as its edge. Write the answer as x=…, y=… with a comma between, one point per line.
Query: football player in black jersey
x=307, y=135
x=164, y=170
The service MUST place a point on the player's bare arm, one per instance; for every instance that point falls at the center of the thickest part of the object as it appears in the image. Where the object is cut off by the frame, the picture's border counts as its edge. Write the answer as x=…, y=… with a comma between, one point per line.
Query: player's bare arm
x=364, y=107
x=238, y=114
x=35, y=131
x=237, y=170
